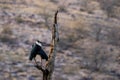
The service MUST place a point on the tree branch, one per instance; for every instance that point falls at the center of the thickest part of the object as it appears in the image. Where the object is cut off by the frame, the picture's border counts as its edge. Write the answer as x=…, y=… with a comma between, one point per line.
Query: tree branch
x=49, y=67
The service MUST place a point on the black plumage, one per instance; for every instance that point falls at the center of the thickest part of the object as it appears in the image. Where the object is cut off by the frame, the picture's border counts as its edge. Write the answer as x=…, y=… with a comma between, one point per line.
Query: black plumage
x=37, y=50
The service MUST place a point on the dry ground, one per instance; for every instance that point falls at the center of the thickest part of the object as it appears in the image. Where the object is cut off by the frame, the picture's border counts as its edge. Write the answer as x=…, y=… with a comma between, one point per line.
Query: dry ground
x=89, y=38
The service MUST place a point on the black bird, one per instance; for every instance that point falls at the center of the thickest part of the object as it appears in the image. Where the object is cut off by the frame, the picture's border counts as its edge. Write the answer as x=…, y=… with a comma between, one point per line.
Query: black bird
x=37, y=50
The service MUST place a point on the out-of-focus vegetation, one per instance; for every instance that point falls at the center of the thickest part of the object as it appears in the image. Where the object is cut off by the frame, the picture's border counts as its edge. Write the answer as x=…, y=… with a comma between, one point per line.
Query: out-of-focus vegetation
x=89, y=38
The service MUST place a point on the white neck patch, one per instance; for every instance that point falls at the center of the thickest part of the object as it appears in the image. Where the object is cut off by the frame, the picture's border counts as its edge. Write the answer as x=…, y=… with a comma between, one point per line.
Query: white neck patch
x=38, y=43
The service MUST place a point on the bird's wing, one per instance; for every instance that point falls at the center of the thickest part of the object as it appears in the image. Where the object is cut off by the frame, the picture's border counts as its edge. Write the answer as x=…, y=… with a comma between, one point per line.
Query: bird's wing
x=33, y=54
x=43, y=54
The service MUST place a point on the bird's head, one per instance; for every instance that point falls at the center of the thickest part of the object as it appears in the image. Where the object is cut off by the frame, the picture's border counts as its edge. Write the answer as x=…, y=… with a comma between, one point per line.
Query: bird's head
x=38, y=43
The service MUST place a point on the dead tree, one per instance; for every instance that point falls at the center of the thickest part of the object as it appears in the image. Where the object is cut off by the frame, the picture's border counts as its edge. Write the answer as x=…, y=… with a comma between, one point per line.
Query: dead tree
x=48, y=69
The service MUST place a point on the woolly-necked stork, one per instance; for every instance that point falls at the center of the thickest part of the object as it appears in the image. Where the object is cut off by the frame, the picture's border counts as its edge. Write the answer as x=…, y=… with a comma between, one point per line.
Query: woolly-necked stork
x=37, y=50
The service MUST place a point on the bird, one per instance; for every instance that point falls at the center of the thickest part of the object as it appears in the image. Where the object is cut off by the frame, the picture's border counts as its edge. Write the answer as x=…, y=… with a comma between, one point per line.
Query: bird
x=37, y=50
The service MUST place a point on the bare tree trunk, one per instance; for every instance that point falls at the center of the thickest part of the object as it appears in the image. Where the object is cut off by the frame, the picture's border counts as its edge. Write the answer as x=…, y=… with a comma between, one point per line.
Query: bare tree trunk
x=49, y=67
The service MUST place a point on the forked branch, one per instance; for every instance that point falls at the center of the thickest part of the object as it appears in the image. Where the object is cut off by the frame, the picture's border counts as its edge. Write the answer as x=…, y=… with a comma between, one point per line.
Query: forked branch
x=49, y=67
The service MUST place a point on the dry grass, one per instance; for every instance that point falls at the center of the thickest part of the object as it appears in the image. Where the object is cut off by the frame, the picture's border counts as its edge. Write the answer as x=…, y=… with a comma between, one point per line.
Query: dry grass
x=71, y=69
x=6, y=34
x=39, y=7
x=75, y=35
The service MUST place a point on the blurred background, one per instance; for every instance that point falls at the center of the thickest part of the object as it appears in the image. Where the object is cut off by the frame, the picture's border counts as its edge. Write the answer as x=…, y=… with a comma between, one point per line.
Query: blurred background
x=89, y=46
